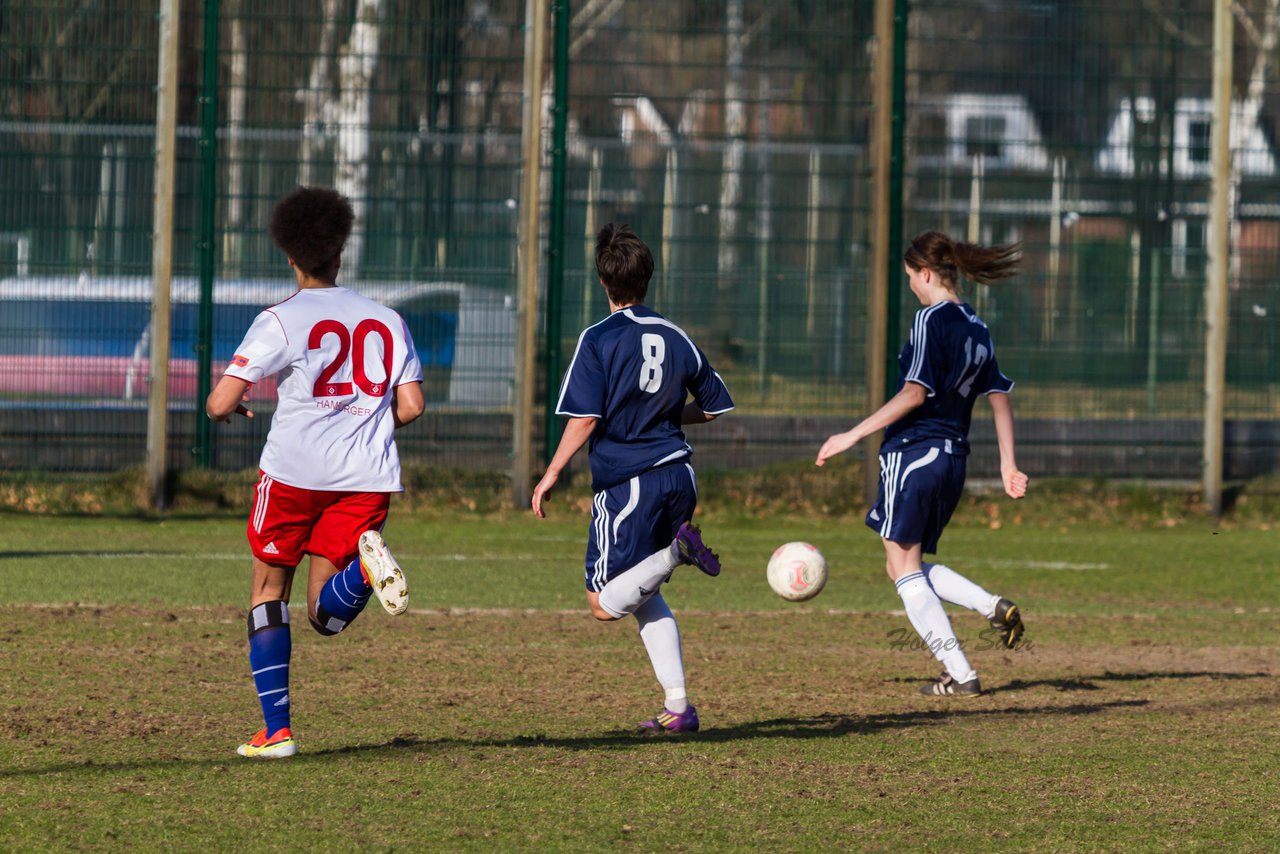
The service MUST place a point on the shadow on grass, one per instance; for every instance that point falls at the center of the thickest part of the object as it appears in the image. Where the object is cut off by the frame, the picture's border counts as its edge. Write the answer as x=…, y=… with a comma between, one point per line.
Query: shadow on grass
x=1089, y=683
x=817, y=726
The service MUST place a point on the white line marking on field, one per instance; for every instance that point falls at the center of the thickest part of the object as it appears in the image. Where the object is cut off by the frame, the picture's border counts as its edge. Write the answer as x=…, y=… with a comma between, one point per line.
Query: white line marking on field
x=245, y=556
x=1056, y=564
x=167, y=556
x=1070, y=566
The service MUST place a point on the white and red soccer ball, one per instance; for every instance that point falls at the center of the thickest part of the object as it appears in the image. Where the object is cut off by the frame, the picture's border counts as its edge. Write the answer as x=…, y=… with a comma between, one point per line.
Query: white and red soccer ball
x=797, y=571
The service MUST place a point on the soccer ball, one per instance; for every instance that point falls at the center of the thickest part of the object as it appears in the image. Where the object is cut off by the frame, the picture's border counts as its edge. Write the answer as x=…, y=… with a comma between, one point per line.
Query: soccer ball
x=797, y=571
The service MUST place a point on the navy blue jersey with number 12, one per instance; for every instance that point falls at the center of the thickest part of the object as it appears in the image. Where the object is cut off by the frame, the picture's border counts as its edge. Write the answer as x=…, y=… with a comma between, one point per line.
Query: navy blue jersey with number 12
x=949, y=353
x=634, y=371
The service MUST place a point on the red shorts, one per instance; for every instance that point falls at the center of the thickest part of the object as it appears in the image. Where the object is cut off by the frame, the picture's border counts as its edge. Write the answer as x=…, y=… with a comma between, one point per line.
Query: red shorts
x=288, y=522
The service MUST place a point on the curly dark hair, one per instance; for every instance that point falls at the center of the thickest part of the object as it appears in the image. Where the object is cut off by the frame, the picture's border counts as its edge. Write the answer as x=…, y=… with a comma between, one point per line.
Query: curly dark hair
x=624, y=263
x=311, y=225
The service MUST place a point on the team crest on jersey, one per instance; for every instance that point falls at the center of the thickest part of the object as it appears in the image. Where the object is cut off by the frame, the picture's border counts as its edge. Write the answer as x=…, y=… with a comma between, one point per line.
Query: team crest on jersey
x=239, y=361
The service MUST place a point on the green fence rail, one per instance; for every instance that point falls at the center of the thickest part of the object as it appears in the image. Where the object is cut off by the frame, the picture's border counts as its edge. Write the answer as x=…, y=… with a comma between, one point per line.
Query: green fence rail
x=735, y=137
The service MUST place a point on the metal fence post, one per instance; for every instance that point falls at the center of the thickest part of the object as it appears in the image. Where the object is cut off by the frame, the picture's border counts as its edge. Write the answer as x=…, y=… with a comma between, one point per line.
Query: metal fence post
x=556, y=244
x=205, y=243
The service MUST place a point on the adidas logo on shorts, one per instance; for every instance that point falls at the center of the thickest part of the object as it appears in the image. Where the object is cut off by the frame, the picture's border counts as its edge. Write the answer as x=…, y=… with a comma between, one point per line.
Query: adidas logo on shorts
x=270, y=549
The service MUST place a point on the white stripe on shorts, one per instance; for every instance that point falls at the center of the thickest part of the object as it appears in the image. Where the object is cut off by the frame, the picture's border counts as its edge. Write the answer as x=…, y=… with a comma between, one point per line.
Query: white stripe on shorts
x=888, y=471
x=264, y=498
x=602, y=539
x=894, y=484
x=632, y=500
x=920, y=463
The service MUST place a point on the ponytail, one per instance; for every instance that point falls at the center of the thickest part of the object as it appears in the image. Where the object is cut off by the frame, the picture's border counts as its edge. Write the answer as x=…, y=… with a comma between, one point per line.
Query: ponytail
x=951, y=258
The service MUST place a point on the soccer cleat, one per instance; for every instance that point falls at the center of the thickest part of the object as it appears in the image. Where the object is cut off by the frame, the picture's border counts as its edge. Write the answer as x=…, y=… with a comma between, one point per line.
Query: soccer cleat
x=1007, y=620
x=384, y=574
x=669, y=721
x=280, y=745
x=694, y=551
x=946, y=686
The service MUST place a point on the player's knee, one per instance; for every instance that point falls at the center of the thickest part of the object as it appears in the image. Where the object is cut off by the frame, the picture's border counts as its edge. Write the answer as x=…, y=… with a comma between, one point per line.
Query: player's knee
x=600, y=613
x=325, y=623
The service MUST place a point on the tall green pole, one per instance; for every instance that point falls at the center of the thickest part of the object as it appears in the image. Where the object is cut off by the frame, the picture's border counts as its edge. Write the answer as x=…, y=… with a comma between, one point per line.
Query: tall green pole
x=556, y=230
x=205, y=242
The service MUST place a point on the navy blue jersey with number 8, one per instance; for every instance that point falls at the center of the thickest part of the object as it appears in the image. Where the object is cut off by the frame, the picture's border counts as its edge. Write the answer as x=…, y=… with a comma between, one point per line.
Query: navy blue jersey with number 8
x=634, y=371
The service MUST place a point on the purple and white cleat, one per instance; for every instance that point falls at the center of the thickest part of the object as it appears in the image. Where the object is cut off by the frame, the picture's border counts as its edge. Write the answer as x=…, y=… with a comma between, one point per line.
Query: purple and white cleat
x=669, y=721
x=694, y=551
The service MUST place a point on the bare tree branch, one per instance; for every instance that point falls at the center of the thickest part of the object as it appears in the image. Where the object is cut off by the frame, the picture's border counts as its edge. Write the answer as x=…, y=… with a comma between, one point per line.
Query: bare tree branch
x=1157, y=11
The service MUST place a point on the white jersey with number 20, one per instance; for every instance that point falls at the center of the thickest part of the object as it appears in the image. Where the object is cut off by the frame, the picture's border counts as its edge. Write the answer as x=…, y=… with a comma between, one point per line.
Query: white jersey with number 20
x=340, y=357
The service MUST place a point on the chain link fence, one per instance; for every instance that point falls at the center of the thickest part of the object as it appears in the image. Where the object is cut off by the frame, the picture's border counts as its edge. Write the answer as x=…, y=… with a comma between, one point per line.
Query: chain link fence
x=734, y=136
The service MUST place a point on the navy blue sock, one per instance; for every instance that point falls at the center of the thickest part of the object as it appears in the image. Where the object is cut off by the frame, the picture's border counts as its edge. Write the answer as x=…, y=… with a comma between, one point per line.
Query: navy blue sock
x=269, y=649
x=341, y=599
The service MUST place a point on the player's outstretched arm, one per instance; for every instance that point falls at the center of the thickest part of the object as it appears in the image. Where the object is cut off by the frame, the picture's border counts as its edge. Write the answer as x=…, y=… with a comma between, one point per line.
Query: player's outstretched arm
x=228, y=398
x=910, y=396
x=576, y=434
x=1015, y=482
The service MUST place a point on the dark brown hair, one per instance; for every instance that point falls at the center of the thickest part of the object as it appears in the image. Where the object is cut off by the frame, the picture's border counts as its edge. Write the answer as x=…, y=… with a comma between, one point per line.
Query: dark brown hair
x=624, y=263
x=311, y=225
x=947, y=258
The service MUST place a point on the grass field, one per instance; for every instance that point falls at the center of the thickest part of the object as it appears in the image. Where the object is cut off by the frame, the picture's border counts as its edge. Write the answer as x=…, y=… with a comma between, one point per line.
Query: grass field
x=496, y=715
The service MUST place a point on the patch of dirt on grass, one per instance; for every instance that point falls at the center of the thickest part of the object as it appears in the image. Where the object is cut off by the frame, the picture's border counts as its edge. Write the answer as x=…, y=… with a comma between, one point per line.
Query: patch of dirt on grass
x=100, y=680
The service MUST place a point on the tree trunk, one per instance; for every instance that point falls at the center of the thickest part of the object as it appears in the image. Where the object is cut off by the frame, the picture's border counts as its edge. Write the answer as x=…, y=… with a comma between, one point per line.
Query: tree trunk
x=314, y=97
x=731, y=176
x=352, y=114
x=233, y=235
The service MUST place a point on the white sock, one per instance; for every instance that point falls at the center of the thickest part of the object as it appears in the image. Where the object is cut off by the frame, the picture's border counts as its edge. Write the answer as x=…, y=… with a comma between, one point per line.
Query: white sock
x=661, y=639
x=628, y=591
x=953, y=587
x=924, y=610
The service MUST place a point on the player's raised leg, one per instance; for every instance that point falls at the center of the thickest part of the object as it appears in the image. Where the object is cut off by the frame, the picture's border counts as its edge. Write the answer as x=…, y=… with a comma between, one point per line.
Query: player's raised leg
x=341, y=596
x=384, y=573
x=951, y=586
x=627, y=591
x=694, y=551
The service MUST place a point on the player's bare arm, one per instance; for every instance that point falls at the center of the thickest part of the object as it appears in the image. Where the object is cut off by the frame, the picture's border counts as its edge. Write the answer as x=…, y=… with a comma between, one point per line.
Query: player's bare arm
x=693, y=414
x=576, y=434
x=911, y=396
x=1015, y=482
x=228, y=398
x=408, y=403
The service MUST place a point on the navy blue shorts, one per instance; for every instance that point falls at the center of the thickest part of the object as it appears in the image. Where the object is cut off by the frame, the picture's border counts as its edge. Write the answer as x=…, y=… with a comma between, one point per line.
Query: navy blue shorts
x=633, y=520
x=919, y=490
